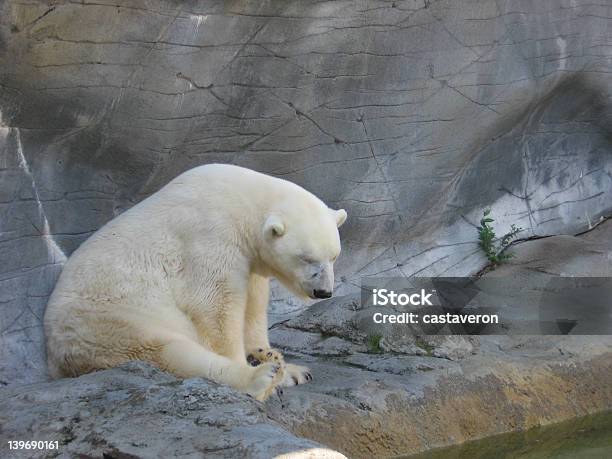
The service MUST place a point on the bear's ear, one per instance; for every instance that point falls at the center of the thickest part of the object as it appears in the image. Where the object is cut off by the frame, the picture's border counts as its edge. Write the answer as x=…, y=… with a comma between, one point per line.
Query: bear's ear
x=340, y=217
x=274, y=226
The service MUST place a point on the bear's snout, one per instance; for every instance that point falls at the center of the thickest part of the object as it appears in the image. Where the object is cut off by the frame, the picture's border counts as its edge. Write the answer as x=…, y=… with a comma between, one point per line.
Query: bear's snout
x=322, y=293
x=320, y=280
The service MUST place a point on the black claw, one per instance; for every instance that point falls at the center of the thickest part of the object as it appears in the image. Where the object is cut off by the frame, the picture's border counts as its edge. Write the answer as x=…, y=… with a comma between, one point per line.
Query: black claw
x=295, y=380
x=269, y=354
x=308, y=377
x=279, y=390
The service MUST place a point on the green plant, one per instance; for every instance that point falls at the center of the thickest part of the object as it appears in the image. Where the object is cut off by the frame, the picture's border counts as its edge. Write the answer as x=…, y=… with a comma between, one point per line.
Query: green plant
x=492, y=247
x=373, y=342
x=421, y=343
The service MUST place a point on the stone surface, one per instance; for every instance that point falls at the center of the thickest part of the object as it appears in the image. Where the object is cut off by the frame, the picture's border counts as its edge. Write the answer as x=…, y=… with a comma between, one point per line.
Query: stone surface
x=379, y=405
x=415, y=395
x=425, y=392
x=413, y=115
x=588, y=255
x=139, y=411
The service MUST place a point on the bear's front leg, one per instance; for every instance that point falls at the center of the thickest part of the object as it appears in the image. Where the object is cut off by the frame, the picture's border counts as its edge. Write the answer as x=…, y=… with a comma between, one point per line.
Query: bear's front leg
x=257, y=345
x=187, y=359
x=256, y=315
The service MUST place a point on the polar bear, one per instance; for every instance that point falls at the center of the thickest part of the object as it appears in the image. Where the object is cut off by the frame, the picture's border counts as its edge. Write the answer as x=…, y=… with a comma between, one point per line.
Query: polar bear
x=182, y=280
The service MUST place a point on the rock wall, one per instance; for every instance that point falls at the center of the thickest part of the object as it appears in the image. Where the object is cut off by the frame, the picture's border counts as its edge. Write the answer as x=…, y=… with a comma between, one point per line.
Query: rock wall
x=412, y=115
x=364, y=401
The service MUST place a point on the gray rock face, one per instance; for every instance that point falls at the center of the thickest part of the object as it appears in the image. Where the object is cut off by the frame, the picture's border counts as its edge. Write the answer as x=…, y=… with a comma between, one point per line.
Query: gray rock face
x=417, y=393
x=138, y=411
x=588, y=255
x=412, y=396
x=413, y=115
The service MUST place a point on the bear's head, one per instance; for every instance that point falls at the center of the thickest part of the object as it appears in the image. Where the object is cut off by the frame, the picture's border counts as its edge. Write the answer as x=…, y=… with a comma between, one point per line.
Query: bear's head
x=301, y=245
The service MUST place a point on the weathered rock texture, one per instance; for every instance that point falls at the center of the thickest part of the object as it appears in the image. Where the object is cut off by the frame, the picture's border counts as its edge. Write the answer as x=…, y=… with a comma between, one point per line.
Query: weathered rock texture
x=413, y=115
x=432, y=391
x=426, y=393
x=389, y=405
x=140, y=412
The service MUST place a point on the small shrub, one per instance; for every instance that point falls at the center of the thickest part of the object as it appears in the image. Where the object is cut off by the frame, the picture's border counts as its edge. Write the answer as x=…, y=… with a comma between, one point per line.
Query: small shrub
x=421, y=343
x=373, y=342
x=491, y=246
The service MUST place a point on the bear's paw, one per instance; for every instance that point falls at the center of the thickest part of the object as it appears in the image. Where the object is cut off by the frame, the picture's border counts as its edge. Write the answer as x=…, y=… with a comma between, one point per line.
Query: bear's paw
x=265, y=380
x=296, y=374
x=265, y=355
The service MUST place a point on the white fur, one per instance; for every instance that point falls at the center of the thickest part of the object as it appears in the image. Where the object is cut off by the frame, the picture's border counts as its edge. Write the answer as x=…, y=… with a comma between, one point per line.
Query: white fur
x=182, y=279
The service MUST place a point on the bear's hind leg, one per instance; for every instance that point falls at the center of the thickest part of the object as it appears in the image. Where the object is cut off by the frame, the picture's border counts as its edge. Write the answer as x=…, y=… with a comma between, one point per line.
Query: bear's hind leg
x=187, y=359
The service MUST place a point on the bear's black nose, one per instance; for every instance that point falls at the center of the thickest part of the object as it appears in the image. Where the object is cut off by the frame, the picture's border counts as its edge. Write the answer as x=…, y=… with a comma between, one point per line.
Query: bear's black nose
x=322, y=293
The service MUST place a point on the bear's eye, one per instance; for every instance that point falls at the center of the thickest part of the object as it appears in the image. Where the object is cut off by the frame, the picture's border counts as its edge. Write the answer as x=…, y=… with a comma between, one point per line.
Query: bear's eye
x=307, y=259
